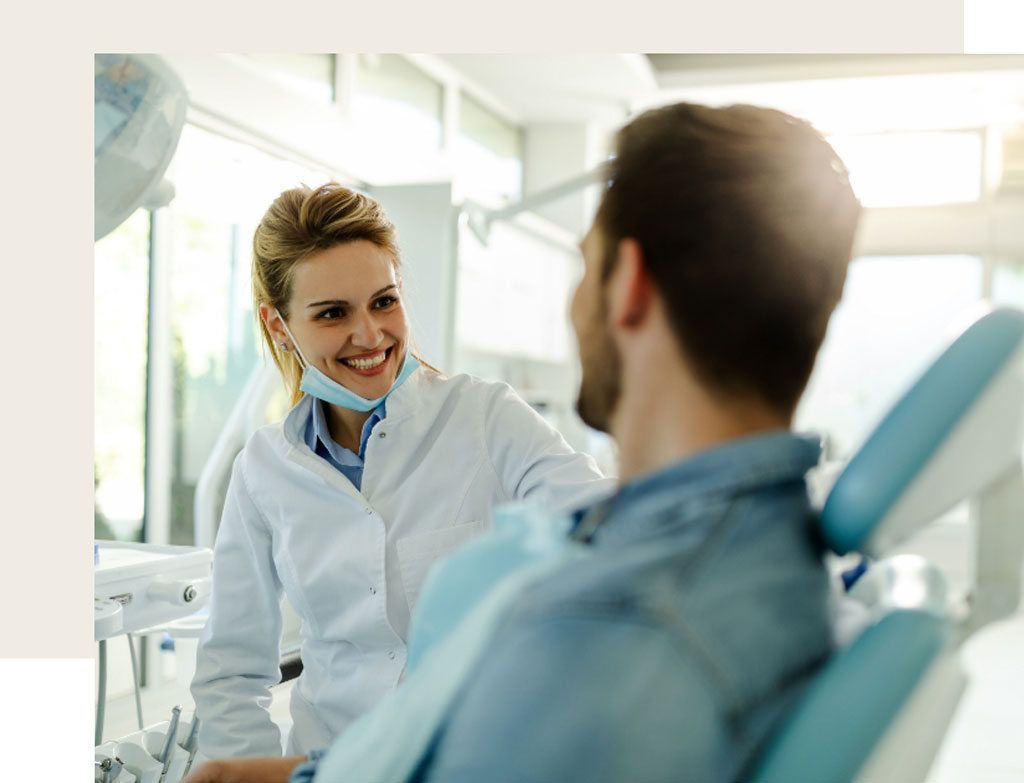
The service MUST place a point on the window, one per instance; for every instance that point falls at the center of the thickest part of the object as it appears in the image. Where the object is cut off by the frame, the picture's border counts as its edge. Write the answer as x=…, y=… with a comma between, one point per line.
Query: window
x=913, y=169
x=892, y=322
x=223, y=189
x=396, y=116
x=513, y=294
x=120, y=320
x=488, y=155
x=311, y=75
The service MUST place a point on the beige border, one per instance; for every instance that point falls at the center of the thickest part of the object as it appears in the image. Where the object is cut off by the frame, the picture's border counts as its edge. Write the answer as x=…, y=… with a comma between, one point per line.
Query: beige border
x=47, y=480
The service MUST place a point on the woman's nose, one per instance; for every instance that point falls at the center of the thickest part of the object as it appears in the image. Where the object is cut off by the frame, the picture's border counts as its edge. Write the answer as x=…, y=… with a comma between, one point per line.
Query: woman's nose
x=366, y=333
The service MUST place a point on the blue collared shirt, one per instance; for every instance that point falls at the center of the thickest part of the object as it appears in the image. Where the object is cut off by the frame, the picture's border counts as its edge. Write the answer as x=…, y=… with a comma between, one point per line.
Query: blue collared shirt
x=318, y=437
x=671, y=651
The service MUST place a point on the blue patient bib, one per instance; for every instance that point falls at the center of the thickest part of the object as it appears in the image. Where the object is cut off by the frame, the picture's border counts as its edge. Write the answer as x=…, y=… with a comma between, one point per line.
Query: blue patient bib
x=523, y=534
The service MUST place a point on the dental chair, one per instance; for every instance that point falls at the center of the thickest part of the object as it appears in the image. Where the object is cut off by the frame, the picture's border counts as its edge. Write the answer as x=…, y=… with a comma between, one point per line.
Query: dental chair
x=879, y=708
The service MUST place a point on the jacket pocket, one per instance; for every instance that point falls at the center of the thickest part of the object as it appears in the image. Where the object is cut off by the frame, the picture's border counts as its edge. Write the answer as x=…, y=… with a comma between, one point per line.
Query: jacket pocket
x=418, y=553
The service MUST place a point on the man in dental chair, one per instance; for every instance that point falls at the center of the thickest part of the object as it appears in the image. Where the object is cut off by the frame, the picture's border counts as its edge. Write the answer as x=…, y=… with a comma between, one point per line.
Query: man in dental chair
x=664, y=636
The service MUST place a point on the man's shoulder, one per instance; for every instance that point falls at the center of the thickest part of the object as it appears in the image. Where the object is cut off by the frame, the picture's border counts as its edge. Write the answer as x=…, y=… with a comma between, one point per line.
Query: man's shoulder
x=584, y=694
x=722, y=606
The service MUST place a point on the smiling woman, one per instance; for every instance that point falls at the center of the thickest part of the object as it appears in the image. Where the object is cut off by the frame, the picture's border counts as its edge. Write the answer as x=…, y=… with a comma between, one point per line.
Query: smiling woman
x=382, y=467
x=345, y=308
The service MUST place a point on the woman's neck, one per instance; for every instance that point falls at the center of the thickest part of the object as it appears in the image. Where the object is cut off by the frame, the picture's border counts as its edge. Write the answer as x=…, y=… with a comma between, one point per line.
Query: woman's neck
x=345, y=425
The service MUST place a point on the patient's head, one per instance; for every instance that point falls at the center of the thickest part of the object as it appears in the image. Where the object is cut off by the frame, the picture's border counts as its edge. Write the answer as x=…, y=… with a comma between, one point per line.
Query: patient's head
x=744, y=219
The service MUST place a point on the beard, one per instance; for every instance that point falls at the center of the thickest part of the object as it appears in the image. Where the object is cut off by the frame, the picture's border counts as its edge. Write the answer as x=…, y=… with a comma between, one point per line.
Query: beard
x=602, y=370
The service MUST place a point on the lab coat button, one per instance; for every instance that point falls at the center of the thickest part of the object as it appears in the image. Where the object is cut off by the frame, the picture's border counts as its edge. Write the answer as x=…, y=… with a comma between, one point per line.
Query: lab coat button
x=373, y=591
x=391, y=655
x=369, y=510
x=383, y=435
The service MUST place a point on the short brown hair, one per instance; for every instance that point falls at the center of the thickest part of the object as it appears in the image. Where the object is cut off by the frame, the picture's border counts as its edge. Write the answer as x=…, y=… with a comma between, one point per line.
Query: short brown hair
x=746, y=219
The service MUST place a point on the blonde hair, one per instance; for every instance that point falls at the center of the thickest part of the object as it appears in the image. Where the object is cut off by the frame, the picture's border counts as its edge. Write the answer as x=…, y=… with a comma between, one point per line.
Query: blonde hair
x=300, y=222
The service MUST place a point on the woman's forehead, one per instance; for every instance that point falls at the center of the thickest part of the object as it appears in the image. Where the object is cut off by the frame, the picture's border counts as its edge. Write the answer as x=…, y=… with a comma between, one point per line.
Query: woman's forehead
x=351, y=272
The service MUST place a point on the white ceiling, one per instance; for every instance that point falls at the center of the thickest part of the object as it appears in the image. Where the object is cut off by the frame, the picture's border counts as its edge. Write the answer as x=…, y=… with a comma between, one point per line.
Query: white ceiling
x=553, y=88
x=604, y=89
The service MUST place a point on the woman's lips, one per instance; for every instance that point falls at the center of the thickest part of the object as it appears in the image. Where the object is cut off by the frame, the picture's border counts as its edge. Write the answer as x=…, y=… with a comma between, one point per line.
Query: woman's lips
x=369, y=364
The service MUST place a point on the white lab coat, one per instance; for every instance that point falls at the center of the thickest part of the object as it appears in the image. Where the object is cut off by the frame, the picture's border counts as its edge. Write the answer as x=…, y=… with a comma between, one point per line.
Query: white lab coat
x=352, y=563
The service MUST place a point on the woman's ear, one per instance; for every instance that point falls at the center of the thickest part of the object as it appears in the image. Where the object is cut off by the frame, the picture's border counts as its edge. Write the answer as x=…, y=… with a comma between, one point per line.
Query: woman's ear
x=272, y=320
x=630, y=289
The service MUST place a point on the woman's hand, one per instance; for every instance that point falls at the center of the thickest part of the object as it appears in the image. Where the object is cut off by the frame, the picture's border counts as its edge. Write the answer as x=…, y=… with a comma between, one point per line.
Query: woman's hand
x=269, y=769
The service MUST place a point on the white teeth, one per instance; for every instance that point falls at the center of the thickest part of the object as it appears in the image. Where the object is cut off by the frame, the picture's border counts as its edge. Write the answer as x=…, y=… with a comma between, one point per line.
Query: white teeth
x=367, y=364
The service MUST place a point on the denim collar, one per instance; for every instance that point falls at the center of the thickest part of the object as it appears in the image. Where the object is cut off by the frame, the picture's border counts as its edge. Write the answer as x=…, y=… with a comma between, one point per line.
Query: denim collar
x=736, y=466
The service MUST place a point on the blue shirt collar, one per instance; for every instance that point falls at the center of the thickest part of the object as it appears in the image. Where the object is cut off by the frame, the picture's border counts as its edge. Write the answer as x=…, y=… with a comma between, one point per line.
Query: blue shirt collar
x=318, y=434
x=739, y=465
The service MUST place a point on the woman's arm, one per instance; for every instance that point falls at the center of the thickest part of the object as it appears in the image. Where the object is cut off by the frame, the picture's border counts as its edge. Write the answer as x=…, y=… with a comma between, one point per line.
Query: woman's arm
x=239, y=652
x=533, y=460
x=251, y=770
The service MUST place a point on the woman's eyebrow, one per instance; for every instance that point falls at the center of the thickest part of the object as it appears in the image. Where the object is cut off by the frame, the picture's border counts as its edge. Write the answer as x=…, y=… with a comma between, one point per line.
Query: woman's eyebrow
x=332, y=302
x=344, y=303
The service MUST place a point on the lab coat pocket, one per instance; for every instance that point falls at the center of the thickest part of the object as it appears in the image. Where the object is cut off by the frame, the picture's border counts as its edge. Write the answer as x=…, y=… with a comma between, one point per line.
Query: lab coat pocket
x=418, y=553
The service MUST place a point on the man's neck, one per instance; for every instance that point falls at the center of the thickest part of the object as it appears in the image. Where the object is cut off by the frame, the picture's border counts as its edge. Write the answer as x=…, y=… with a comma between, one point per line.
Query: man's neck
x=663, y=420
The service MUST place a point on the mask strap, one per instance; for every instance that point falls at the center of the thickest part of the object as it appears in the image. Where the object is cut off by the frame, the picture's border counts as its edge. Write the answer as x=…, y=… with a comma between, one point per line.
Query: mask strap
x=295, y=342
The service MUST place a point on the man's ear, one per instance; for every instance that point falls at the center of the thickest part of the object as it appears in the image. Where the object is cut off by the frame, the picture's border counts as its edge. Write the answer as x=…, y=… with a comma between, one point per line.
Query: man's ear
x=630, y=288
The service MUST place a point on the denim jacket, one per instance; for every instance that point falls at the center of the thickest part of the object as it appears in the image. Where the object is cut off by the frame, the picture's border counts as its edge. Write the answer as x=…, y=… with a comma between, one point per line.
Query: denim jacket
x=671, y=650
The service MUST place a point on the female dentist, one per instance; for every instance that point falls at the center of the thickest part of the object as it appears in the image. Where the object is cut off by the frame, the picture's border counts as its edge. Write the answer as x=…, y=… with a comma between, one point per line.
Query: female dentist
x=382, y=466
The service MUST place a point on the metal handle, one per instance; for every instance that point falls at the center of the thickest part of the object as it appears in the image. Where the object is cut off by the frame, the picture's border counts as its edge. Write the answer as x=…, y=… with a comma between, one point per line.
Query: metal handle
x=191, y=744
x=172, y=731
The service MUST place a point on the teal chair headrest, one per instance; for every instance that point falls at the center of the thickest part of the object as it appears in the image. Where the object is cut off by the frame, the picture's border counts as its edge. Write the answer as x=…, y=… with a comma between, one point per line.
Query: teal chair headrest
x=904, y=443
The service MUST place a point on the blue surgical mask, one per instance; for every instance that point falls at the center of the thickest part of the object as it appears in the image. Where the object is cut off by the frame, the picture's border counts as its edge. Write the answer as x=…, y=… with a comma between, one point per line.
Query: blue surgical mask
x=317, y=384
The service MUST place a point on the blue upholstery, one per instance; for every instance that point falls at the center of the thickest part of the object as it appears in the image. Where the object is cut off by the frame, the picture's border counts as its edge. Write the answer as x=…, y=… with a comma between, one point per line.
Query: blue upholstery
x=851, y=702
x=912, y=431
x=523, y=534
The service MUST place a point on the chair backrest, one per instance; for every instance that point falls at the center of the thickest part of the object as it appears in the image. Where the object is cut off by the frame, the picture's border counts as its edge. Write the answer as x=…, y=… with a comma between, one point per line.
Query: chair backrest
x=847, y=708
x=957, y=433
x=956, y=429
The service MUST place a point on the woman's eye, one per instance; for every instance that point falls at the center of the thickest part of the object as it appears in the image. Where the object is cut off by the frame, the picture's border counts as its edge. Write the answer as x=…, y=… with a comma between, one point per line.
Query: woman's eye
x=385, y=301
x=332, y=313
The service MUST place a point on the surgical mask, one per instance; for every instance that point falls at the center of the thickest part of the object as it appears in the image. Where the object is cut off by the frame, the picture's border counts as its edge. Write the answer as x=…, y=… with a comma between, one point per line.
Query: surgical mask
x=317, y=384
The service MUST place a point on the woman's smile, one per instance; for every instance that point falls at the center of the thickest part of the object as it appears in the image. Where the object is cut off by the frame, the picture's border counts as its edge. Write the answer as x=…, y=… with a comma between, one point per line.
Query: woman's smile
x=368, y=364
